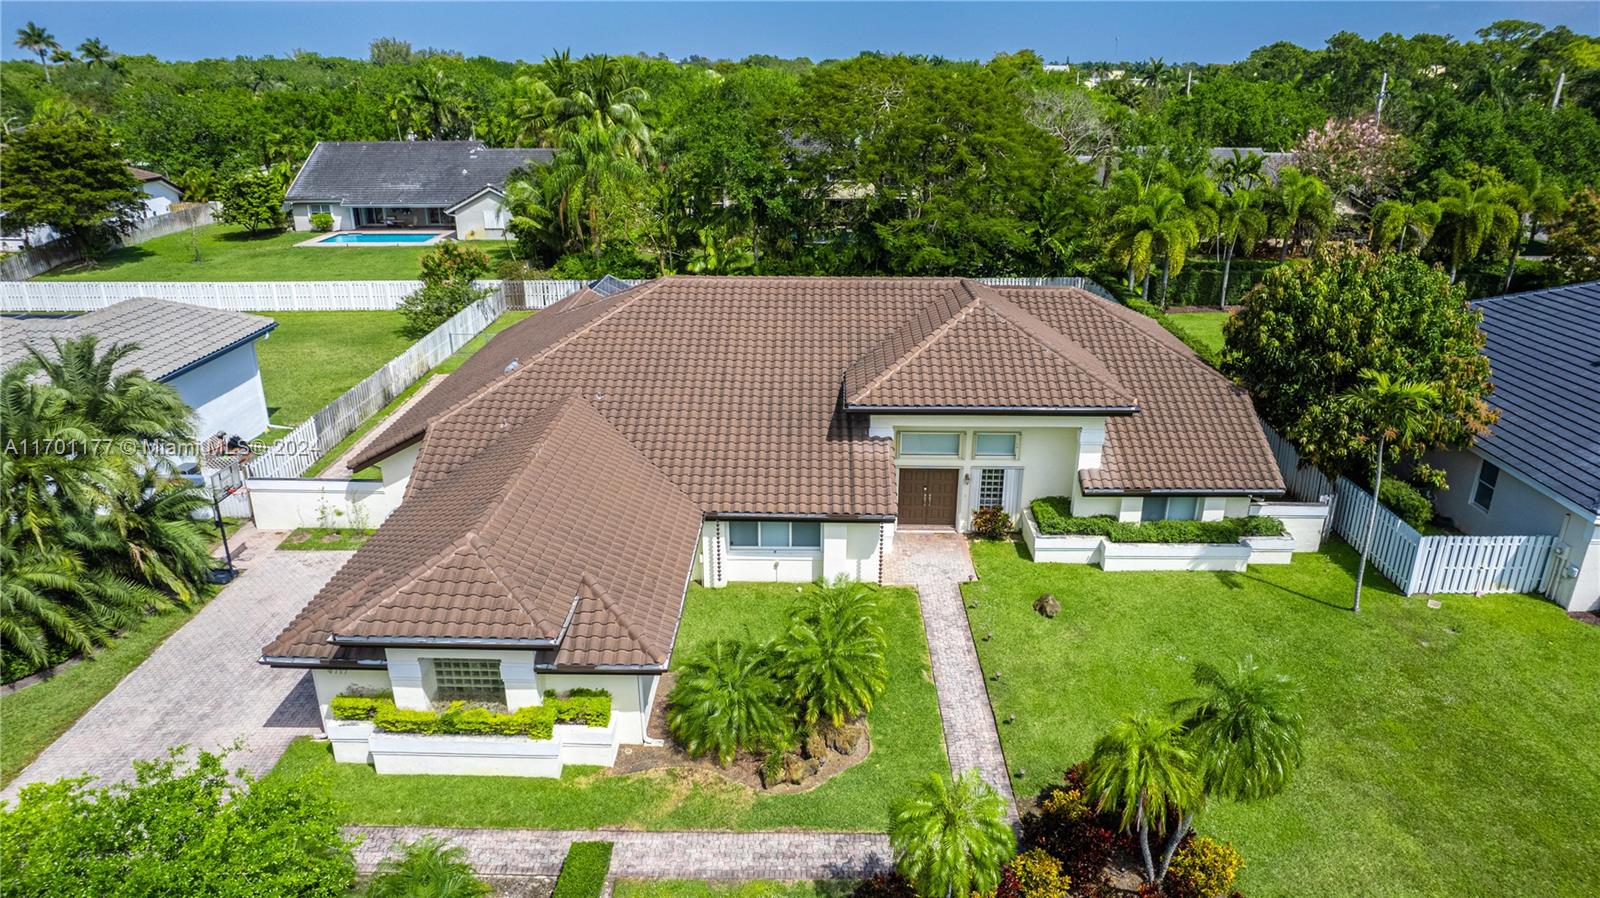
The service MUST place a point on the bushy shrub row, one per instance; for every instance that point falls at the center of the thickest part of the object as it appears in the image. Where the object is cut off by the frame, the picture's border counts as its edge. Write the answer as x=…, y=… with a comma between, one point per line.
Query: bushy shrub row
x=1048, y=514
x=590, y=708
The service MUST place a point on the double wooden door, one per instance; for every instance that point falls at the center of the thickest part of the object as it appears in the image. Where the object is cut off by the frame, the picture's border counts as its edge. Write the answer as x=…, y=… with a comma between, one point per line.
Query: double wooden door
x=928, y=497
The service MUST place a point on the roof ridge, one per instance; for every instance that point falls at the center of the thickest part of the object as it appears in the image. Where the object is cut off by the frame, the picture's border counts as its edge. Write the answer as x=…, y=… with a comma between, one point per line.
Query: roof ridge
x=916, y=351
x=604, y=598
x=1088, y=363
x=485, y=551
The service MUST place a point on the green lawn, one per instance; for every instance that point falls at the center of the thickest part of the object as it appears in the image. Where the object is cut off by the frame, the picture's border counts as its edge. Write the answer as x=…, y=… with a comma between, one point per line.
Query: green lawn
x=32, y=718
x=1450, y=751
x=760, y=888
x=325, y=539
x=229, y=253
x=311, y=358
x=907, y=743
x=1205, y=327
x=445, y=367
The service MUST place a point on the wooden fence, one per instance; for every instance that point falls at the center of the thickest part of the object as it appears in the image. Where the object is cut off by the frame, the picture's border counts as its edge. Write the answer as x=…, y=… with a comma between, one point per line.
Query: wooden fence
x=302, y=446
x=1412, y=561
x=319, y=296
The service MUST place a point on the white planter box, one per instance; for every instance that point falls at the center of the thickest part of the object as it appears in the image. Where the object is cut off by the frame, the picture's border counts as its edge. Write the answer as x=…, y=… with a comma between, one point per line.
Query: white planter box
x=1174, y=556
x=1304, y=521
x=349, y=738
x=1270, y=549
x=588, y=745
x=480, y=755
x=1059, y=548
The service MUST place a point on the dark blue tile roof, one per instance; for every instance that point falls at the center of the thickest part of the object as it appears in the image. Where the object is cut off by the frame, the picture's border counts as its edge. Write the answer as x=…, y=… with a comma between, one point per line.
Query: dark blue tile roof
x=406, y=173
x=1544, y=356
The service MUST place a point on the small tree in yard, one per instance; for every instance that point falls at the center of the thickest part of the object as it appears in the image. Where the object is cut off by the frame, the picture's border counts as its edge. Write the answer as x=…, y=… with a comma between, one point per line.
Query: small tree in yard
x=1309, y=330
x=1144, y=771
x=833, y=655
x=1397, y=412
x=1575, y=240
x=69, y=176
x=950, y=837
x=254, y=202
x=447, y=275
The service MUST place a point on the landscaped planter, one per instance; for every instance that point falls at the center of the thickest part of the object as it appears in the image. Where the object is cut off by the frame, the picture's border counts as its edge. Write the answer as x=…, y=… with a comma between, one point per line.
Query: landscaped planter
x=349, y=739
x=1063, y=548
x=1270, y=549
x=480, y=755
x=1174, y=556
x=587, y=745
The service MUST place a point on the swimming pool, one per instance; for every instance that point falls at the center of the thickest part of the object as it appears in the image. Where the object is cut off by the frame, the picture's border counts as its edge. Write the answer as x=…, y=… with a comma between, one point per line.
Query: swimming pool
x=376, y=238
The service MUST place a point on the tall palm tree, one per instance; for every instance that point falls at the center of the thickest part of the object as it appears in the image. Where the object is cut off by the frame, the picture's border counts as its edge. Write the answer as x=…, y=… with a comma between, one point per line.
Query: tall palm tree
x=435, y=104
x=36, y=40
x=1302, y=208
x=950, y=838
x=124, y=405
x=1143, y=769
x=1536, y=199
x=62, y=56
x=1475, y=219
x=1149, y=221
x=1392, y=221
x=1395, y=409
x=834, y=653
x=590, y=162
x=1241, y=222
x=1246, y=733
x=95, y=52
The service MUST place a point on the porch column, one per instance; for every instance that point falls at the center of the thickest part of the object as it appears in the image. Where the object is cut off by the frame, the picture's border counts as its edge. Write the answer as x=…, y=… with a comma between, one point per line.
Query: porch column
x=522, y=684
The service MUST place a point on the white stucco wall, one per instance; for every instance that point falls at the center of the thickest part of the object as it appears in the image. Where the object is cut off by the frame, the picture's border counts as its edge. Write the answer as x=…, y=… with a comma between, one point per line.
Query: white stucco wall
x=343, y=216
x=852, y=549
x=396, y=469
x=287, y=503
x=226, y=394
x=482, y=219
x=159, y=197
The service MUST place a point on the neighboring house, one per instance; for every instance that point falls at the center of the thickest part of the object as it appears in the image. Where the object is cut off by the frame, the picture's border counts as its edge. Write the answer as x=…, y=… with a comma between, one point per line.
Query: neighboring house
x=208, y=356
x=426, y=184
x=568, y=481
x=159, y=192
x=1537, y=470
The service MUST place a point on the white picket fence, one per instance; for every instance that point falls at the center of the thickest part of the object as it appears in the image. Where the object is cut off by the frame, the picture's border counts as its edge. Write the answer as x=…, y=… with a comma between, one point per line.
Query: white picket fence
x=23, y=297
x=255, y=296
x=302, y=446
x=1417, y=563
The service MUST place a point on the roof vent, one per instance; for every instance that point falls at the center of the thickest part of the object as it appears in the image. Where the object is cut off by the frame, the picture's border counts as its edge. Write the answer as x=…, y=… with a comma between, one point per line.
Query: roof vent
x=512, y=366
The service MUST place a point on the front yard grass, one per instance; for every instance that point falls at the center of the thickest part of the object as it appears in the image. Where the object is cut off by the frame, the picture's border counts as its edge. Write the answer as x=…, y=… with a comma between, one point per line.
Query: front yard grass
x=331, y=539
x=907, y=743
x=229, y=253
x=1449, y=751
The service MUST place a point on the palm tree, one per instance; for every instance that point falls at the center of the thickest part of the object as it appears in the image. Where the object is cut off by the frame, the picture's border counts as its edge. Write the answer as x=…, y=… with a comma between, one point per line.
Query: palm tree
x=1246, y=734
x=118, y=406
x=426, y=868
x=1536, y=199
x=597, y=93
x=36, y=40
x=157, y=537
x=834, y=652
x=1395, y=409
x=1245, y=171
x=951, y=837
x=726, y=700
x=590, y=162
x=435, y=104
x=1474, y=218
x=1393, y=220
x=1149, y=221
x=1142, y=769
x=1241, y=222
x=95, y=52
x=1302, y=207
x=62, y=56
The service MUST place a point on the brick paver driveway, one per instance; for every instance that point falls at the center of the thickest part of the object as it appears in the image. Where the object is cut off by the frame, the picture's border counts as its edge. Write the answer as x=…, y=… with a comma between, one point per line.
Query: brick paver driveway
x=203, y=687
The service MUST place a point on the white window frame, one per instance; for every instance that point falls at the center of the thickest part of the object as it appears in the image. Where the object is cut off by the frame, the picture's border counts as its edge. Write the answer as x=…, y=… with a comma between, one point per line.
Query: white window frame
x=790, y=549
x=1478, y=483
x=321, y=208
x=900, y=442
x=1016, y=444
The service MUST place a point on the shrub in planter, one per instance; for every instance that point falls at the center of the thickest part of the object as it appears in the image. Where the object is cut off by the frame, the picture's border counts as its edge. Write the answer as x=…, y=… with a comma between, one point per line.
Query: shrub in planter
x=1203, y=868
x=1050, y=512
x=355, y=706
x=991, y=523
x=1227, y=530
x=321, y=221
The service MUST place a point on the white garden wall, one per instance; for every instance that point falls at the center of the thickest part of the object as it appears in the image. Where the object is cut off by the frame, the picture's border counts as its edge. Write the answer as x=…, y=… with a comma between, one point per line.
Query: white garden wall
x=287, y=503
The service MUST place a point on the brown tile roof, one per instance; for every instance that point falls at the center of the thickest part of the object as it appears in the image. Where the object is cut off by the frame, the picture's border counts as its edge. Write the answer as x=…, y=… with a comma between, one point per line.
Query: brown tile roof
x=559, y=526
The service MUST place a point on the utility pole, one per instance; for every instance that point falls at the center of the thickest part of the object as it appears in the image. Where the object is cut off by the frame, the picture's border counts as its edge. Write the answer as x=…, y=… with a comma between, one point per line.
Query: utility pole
x=1560, y=83
x=1383, y=94
x=1188, y=86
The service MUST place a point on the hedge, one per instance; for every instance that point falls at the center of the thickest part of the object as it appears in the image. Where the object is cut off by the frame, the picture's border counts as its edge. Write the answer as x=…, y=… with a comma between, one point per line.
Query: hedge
x=583, y=873
x=591, y=708
x=1048, y=514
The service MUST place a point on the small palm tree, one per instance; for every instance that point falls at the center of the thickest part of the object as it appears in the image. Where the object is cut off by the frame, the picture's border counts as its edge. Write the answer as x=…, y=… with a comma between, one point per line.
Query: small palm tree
x=1241, y=221
x=1475, y=219
x=949, y=837
x=1392, y=221
x=1396, y=409
x=1536, y=199
x=726, y=700
x=426, y=868
x=118, y=405
x=1143, y=769
x=36, y=40
x=834, y=652
x=95, y=52
x=1302, y=208
x=159, y=539
x=1244, y=171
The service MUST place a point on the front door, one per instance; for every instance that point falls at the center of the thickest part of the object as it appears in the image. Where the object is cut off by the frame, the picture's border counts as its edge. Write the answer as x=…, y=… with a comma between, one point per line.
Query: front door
x=928, y=497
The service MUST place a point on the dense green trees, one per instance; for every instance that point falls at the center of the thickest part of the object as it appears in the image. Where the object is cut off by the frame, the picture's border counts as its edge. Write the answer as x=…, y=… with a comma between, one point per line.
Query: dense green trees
x=69, y=176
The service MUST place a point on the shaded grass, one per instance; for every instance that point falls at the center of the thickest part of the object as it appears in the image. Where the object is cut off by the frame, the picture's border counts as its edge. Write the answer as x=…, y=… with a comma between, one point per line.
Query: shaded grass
x=445, y=367
x=1205, y=327
x=1450, y=751
x=906, y=734
x=760, y=888
x=35, y=716
x=229, y=253
x=336, y=539
x=312, y=358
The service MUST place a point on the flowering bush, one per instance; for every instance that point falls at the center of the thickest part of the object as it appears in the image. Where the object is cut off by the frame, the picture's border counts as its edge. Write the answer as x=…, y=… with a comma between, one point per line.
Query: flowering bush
x=1065, y=825
x=1203, y=868
x=1038, y=875
x=1354, y=156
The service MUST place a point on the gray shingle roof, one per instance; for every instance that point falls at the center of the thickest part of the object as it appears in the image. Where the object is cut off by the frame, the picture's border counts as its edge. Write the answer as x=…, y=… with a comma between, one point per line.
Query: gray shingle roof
x=1544, y=359
x=406, y=173
x=171, y=336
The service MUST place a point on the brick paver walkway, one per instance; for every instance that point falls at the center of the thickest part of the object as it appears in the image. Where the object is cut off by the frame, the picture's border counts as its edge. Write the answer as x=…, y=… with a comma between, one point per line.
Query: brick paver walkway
x=663, y=855
x=937, y=563
x=203, y=687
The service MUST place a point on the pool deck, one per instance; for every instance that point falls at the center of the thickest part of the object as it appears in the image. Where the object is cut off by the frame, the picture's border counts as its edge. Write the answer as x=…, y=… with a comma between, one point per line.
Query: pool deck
x=376, y=238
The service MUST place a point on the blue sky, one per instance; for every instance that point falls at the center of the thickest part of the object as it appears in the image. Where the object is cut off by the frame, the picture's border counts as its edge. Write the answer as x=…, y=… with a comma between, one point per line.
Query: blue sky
x=1176, y=31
